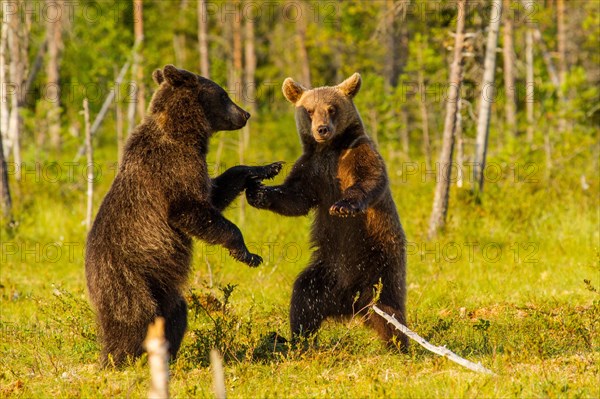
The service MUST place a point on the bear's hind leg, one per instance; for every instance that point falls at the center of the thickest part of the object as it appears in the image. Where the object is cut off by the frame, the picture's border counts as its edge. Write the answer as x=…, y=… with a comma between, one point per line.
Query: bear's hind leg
x=313, y=300
x=122, y=340
x=175, y=326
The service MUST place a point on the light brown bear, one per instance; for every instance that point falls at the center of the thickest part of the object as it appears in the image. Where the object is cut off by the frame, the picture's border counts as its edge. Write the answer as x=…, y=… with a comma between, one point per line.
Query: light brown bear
x=357, y=234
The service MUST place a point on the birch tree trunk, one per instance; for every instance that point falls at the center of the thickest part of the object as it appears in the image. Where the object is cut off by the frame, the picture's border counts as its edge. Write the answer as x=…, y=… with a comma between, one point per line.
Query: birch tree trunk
x=238, y=84
x=423, y=105
x=136, y=102
x=460, y=153
x=509, y=71
x=562, y=62
x=529, y=84
x=487, y=97
x=18, y=52
x=203, y=39
x=138, y=28
x=119, y=121
x=442, y=189
x=89, y=150
x=54, y=43
x=249, y=74
x=4, y=111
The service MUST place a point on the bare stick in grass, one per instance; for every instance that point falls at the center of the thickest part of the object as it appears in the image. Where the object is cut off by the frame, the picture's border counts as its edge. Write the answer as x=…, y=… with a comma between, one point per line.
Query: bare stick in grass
x=158, y=359
x=438, y=350
x=218, y=374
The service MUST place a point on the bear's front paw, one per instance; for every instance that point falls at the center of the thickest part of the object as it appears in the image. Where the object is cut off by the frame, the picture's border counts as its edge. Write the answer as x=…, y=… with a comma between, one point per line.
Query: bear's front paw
x=344, y=208
x=257, y=196
x=259, y=173
x=246, y=257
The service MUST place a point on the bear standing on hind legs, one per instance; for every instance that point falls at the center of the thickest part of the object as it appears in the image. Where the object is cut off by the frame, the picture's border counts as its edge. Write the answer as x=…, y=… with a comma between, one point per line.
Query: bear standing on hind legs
x=357, y=235
x=139, y=249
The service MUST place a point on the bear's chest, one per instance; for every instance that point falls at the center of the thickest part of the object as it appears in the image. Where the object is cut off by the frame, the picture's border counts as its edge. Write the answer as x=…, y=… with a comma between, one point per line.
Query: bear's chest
x=326, y=177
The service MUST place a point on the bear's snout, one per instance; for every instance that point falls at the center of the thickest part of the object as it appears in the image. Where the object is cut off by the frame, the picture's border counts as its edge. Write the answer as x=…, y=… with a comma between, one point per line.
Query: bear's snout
x=322, y=133
x=323, y=130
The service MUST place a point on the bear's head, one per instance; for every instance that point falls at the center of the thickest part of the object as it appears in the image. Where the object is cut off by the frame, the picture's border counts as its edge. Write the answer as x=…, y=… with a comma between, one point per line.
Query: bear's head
x=186, y=102
x=324, y=112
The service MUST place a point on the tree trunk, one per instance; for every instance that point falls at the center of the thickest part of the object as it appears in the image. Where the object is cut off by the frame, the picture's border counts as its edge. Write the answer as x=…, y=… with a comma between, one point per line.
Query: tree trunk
x=561, y=39
x=138, y=70
x=423, y=104
x=4, y=111
x=5, y=189
x=390, y=71
x=442, y=189
x=460, y=153
x=487, y=97
x=203, y=39
x=249, y=72
x=301, y=45
x=562, y=62
x=404, y=136
x=18, y=69
x=529, y=84
x=54, y=43
x=509, y=72
x=250, y=66
x=238, y=84
x=137, y=103
x=89, y=150
x=119, y=122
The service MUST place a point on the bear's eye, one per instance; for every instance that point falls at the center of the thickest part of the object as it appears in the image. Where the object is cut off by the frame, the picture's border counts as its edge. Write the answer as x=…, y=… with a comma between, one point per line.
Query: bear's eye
x=331, y=110
x=310, y=112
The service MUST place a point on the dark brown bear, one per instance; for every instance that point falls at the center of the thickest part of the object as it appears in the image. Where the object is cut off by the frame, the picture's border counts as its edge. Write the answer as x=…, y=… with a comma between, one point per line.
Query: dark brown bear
x=139, y=249
x=357, y=235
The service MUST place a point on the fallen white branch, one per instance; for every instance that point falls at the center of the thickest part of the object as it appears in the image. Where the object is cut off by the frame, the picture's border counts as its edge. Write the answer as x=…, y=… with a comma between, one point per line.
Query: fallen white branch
x=158, y=359
x=439, y=350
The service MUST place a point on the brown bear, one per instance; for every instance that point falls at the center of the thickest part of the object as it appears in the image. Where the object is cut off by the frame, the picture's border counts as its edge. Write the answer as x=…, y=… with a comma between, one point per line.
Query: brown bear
x=357, y=234
x=139, y=249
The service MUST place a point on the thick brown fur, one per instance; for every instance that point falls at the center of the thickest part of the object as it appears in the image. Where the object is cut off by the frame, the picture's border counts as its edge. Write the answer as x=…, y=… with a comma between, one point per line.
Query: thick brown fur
x=357, y=234
x=139, y=249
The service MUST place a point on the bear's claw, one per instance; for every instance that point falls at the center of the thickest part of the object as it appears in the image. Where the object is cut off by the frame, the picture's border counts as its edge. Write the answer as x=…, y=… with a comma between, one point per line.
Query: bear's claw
x=344, y=208
x=260, y=173
x=246, y=257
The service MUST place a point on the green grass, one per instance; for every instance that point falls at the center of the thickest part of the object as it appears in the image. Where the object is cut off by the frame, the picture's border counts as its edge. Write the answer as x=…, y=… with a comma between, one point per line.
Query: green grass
x=528, y=313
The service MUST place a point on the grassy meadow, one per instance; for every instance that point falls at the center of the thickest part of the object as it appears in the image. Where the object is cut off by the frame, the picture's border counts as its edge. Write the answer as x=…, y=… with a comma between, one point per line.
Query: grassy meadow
x=512, y=283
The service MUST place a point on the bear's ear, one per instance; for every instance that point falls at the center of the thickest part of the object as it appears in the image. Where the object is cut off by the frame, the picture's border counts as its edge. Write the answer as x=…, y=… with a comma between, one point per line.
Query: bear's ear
x=157, y=76
x=351, y=86
x=174, y=76
x=292, y=90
